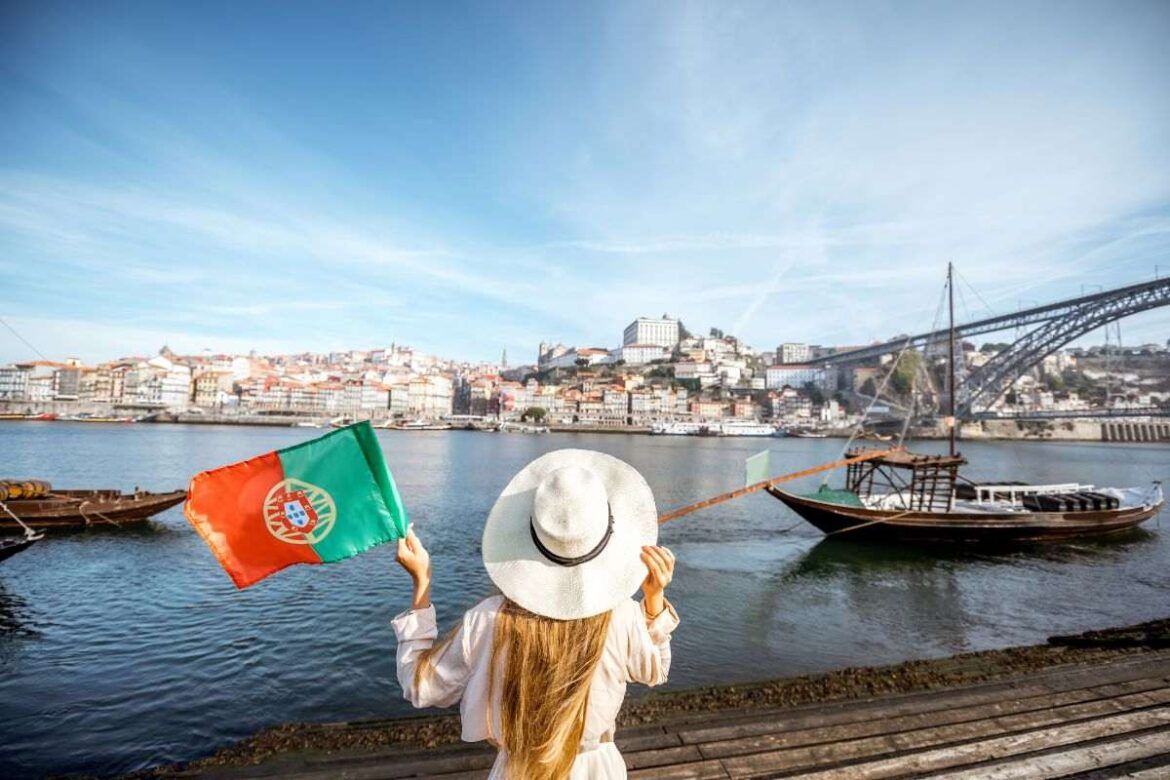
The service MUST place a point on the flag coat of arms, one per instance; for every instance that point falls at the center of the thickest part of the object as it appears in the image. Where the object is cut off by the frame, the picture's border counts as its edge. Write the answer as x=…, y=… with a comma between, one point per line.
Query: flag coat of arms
x=316, y=502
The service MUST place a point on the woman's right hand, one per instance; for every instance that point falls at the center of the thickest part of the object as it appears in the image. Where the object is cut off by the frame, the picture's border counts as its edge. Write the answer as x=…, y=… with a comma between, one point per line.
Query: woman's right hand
x=659, y=563
x=413, y=557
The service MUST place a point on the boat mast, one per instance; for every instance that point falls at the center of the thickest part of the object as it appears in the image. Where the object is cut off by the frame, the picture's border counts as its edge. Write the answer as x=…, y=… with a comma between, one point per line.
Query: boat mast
x=951, y=355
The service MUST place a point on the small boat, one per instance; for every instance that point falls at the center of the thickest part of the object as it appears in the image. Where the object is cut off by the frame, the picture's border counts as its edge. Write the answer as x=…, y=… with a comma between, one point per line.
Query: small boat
x=307, y=424
x=745, y=428
x=86, y=417
x=518, y=427
x=799, y=433
x=32, y=504
x=676, y=429
x=419, y=425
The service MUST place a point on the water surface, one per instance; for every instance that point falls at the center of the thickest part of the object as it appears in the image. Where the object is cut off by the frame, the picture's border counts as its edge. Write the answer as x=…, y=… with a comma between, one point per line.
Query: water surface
x=120, y=649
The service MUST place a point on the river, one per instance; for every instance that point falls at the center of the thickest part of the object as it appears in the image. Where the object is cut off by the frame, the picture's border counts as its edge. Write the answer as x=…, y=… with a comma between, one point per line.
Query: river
x=120, y=649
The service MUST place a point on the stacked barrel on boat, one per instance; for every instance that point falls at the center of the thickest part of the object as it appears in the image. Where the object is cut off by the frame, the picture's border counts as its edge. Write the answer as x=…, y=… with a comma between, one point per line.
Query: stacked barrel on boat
x=1080, y=501
x=11, y=489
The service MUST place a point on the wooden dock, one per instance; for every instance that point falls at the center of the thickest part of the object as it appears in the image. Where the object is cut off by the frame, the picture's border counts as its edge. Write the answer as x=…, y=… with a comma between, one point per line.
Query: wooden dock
x=1097, y=721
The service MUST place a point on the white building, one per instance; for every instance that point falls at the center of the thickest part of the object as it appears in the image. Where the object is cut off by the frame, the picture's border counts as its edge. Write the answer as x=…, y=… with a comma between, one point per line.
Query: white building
x=14, y=382
x=704, y=372
x=547, y=353
x=159, y=382
x=431, y=397
x=729, y=374
x=175, y=386
x=793, y=353
x=590, y=355
x=639, y=354
x=662, y=331
x=794, y=375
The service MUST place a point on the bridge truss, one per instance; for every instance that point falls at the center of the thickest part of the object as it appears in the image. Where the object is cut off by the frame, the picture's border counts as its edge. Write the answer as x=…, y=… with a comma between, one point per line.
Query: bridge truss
x=1048, y=328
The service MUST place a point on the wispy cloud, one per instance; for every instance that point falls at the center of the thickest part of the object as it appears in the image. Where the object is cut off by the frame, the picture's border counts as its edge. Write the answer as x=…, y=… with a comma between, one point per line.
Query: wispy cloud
x=790, y=172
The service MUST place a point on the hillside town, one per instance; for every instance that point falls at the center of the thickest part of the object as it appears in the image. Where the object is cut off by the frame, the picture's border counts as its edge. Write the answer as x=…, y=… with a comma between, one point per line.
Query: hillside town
x=659, y=374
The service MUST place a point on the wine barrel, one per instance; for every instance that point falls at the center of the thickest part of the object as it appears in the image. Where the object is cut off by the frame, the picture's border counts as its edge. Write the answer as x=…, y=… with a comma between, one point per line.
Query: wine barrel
x=12, y=489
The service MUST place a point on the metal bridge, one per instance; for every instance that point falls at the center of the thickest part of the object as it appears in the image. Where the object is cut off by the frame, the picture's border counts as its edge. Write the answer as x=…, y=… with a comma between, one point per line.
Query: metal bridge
x=1049, y=328
x=1130, y=413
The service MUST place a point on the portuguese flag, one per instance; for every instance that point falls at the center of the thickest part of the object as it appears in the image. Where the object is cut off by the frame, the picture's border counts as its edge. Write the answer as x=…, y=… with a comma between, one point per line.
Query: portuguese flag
x=316, y=502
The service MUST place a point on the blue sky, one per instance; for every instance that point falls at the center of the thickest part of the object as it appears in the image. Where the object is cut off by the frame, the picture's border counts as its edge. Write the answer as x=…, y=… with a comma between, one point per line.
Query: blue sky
x=468, y=178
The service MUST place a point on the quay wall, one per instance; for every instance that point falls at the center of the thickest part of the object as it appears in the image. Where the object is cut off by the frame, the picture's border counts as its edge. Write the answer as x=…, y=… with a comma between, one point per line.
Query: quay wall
x=1137, y=431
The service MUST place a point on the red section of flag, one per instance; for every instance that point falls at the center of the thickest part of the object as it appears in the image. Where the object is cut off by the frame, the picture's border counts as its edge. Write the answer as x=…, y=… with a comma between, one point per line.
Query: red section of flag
x=226, y=506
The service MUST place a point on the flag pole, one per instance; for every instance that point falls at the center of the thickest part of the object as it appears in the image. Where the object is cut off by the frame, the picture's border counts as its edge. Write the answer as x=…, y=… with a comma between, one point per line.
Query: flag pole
x=767, y=483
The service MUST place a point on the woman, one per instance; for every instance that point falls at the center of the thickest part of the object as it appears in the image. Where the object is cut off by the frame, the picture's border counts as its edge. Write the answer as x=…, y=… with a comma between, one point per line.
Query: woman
x=541, y=670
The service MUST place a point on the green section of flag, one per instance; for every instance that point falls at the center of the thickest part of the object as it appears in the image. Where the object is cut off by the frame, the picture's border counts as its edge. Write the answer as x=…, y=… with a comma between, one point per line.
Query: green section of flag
x=368, y=441
x=349, y=467
x=757, y=468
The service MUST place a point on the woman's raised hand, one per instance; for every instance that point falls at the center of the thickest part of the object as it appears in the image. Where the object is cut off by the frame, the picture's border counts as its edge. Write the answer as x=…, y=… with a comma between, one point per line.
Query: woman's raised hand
x=413, y=557
x=660, y=567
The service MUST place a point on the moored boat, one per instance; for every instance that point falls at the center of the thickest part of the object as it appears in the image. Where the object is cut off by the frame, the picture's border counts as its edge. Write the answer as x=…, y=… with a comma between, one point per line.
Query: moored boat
x=677, y=429
x=520, y=427
x=906, y=497
x=43, y=508
x=418, y=425
x=10, y=547
x=745, y=428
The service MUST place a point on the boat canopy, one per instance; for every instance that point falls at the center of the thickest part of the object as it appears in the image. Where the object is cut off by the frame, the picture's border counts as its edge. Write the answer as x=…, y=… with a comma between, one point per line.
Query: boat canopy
x=926, y=483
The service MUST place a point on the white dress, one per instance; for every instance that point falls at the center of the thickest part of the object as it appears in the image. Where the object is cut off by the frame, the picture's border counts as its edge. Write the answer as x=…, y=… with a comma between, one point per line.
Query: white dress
x=636, y=650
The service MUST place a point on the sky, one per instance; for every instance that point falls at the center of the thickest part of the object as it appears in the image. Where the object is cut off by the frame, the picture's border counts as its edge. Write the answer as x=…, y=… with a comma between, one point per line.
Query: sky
x=469, y=178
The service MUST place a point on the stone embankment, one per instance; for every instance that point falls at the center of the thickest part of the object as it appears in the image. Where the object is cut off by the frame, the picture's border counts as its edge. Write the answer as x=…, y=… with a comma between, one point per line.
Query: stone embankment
x=1075, y=704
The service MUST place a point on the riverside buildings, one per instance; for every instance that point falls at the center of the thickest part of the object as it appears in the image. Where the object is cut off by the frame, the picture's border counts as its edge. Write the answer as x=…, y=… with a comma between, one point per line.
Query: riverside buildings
x=659, y=373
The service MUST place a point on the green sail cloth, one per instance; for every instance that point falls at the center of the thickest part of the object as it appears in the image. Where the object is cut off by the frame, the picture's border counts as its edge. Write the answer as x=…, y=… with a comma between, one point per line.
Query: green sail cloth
x=840, y=497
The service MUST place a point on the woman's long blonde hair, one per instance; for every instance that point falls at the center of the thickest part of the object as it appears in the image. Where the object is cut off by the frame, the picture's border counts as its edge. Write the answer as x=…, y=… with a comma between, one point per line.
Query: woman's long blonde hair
x=547, y=668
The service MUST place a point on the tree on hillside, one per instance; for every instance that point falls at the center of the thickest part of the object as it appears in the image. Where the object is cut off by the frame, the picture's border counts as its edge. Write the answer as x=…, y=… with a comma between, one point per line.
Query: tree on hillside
x=683, y=333
x=814, y=393
x=902, y=382
x=534, y=413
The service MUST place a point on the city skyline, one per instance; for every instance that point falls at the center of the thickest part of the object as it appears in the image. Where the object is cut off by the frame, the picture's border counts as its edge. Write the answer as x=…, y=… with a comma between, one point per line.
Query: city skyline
x=486, y=181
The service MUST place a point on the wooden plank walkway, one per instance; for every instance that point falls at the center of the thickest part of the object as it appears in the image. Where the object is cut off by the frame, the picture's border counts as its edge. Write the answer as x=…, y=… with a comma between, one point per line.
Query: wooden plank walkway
x=1103, y=721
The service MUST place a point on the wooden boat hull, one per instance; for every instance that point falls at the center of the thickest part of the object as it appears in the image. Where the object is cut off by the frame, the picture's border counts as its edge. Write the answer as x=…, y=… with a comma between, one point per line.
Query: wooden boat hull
x=10, y=547
x=84, y=508
x=887, y=525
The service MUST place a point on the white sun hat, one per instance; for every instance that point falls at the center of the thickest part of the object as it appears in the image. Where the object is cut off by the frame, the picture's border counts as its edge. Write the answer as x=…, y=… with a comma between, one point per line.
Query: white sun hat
x=565, y=538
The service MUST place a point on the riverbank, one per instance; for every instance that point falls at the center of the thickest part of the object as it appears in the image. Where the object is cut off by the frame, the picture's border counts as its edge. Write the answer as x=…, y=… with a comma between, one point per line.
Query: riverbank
x=992, y=430
x=657, y=732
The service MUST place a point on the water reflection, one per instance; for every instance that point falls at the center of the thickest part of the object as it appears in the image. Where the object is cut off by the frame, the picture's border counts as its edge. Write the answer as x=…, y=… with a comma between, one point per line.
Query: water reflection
x=17, y=617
